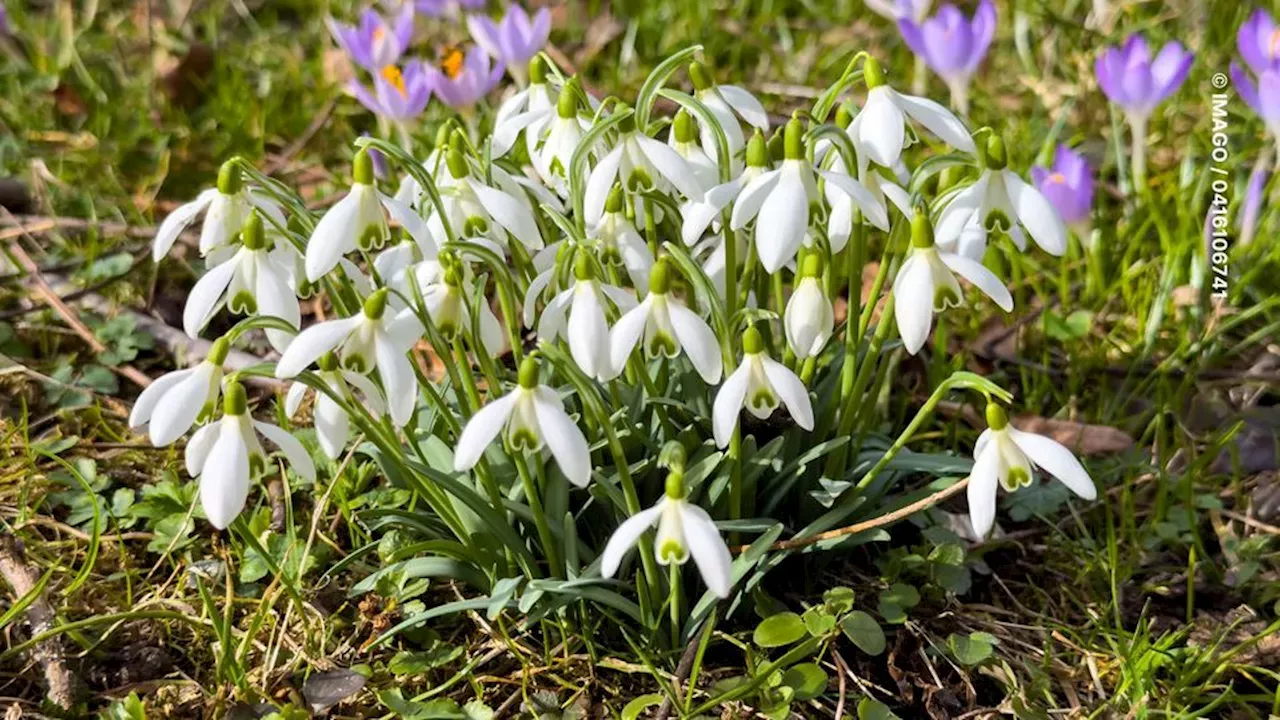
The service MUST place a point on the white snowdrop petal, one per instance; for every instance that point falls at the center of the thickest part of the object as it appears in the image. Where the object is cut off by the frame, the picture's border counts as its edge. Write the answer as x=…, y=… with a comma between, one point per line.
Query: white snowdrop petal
x=293, y=399
x=207, y=296
x=728, y=403
x=752, y=198
x=152, y=394
x=978, y=274
x=299, y=460
x=178, y=409
x=334, y=236
x=510, y=213
x=313, y=342
x=1036, y=214
x=708, y=549
x=224, y=484
x=913, y=304
x=481, y=429
x=599, y=183
x=626, y=333
x=397, y=378
x=177, y=221
x=793, y=393
x=782, y=222
x=1055, y=459
x=938, y=120
x=983, y=483
x=562, y=437
x=698, y=341
x=746, y=105
x=626, y=536
x=198, y=447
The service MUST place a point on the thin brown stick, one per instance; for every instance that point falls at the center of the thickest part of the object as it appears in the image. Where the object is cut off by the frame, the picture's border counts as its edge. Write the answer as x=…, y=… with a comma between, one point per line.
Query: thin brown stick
x=1251, y=522
x=40, y=616
x=886, y=519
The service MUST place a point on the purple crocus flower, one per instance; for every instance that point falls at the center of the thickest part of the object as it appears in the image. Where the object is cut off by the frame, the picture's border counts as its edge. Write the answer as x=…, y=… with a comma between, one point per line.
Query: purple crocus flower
x=448, y=8
x=515, y=39
x=1253, y=198
x=896, y=10
x=1135, y=81
x=1259, y=44
x=1068, y=185
x=375, y=43
x=462, y=84
x=952, y=45
x=398, y=95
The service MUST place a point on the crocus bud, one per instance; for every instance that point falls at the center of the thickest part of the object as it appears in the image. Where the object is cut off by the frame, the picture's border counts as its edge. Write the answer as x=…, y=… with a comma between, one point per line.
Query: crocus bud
x=528, y=373
x=537, y=70
x=871, y=73
x=251, y=235
x=921, y=230
x=376, y=304
x=793, y=140
x=996, y=419
x=362, y=167
x=752, y=342
x=683, y=128
x=700, y=76
x=757, y=151
x=234, y=399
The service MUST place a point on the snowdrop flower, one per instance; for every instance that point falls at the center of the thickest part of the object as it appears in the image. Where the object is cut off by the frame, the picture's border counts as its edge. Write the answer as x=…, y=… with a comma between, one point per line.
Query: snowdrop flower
x=579, y=315
x=760, y=384
x=227, y=455
x=840, y=219
x=620, y=242
x=879, y=130
x=410, y=193
x=225, y=209
x=926, y=284
x=529, y=417
x=952, y=45
x=368, y=341
x=809, y=319
x=333, y=427
x=1004, y=456
x=999, y=198
x=781, y=200
x=537, y=95
x=515, y=38
x=700, y=213
x=374, y=43
x=251, y=282
x=726, y=103
x=173, y=403
x=476, y=210
x=668, y=327
x=552, y=135
x=1138, y=83
x=684, y=530
x=357, y=221
x=683, y=138
x=1068, y=186
x=462, y=81
x=399, y=96
x=449, y=306
x=640, y=163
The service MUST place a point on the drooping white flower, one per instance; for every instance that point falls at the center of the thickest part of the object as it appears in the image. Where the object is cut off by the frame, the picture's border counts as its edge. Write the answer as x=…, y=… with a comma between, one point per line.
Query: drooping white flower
x=809, y=319
x=227, y=455
x=359, y=220
x=760, y=384
x=173, y=403
x=333, y=427
x=926, y=283
x=780, y=199
x=1000, y=198
x=410, y=192
x=449, y=307
x=579, y=315
x=477, y=211
x=251, y=282
x=668, y=327
x=619, y=241
x=726, y=103
x=529, y=418
x=225, y=208
x=840, y=219
x=370, y=340
x=683, y=138
x=640, y=163
x=536, y=97
x=703, y=212
x=879, y=130
x=684, y=530
x=1004, y=457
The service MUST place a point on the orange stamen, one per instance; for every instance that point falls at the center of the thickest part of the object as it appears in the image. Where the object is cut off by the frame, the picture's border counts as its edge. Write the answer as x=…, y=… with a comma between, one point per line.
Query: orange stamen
x=451, y=61
x=391, y=74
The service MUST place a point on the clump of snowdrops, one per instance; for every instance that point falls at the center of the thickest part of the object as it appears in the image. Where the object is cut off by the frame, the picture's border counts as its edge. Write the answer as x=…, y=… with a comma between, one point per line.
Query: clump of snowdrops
x=637, y=318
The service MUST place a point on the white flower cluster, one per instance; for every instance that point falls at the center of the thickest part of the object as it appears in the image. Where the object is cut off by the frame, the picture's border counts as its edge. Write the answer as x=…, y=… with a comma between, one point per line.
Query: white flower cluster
x=724, y=245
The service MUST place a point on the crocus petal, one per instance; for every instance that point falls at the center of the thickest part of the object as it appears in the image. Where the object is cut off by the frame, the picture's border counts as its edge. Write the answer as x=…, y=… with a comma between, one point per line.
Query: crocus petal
x=293, y=450
x=627, y=534
x=177, y=221
x=698, y=341
x=709, y=552
x=792, y=392
x=978, y=274
x=724, y=413
x=481, y=429
x=913, y=305
x=313, y=342
x=562, y=437
x=224, y=483
x=1055, y=459
x=1036, y=214
x=152, y=394
x=983, y=483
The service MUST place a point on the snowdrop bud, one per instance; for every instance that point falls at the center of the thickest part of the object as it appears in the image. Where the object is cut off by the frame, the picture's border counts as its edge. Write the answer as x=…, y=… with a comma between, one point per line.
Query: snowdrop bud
x=218, y=352
x=675, y=485
x=921, y=231
x=457, y=164
x=793, y=140
x=613, y=203
x=872, y=75
x=752, y=342
x=683, y=128
x=537, y=70
x=230, y=179
x=251, y=235
x=997, y=157
x=672, y=456
x=812, y=266
x=328, y=362
x=757, y=151
x=362, y=167
x=376, y=304
x=996, y=419
x=660, y=278
x=234, y=399
x=844, y=116
x=700, y=76
x=528, y=375
x=567, y=104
